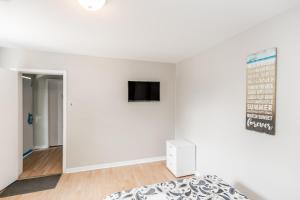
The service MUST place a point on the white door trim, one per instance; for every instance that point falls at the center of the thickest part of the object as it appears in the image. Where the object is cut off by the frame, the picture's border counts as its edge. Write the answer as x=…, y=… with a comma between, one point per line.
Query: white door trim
x=65, y=100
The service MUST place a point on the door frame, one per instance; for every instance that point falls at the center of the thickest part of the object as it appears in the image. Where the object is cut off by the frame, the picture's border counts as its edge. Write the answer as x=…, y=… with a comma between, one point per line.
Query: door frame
x=65, y=100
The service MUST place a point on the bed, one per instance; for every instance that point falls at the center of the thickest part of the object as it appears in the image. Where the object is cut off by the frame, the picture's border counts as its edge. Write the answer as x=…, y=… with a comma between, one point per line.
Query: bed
x=208, y=187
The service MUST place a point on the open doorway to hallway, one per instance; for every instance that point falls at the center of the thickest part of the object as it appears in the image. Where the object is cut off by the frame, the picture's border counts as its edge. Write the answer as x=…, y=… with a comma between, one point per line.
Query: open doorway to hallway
x=42, y=125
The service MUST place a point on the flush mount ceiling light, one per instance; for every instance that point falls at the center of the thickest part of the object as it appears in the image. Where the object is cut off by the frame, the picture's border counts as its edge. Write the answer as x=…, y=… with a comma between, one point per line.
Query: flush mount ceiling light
x=92, y=5
x=26, y=77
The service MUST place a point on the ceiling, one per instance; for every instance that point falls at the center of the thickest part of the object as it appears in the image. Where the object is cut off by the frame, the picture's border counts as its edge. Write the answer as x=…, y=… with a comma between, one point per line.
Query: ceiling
x=154, y=30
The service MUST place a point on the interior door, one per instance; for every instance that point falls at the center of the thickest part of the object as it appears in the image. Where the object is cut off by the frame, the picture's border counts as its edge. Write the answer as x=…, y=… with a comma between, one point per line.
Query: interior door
x=9, y=127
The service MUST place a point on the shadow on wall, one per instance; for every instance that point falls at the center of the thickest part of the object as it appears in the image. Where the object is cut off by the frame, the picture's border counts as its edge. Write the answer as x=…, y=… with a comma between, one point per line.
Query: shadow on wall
x=248, y=192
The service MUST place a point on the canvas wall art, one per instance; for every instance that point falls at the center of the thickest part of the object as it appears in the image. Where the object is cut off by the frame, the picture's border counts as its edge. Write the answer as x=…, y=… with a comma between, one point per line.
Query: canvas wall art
x=261, y=91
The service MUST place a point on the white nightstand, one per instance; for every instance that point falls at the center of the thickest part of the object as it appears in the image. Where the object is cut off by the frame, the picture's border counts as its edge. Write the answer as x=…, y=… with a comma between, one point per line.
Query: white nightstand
x=181, y=157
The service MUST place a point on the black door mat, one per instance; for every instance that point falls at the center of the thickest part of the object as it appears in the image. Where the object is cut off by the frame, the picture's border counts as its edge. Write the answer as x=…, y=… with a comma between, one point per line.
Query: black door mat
x=31, y=185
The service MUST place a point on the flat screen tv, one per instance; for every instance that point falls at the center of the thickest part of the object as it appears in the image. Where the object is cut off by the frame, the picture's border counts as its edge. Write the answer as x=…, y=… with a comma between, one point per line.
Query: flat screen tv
x=143, y=91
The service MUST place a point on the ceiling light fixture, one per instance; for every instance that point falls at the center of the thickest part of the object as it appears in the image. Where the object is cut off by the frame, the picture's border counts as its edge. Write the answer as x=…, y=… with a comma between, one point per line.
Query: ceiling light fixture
x=92, y=5
x=26, y=77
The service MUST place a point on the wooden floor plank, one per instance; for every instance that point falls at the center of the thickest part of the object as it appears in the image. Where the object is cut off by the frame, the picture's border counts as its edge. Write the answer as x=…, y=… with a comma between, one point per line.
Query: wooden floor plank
x=95, y=185
x=42, y=163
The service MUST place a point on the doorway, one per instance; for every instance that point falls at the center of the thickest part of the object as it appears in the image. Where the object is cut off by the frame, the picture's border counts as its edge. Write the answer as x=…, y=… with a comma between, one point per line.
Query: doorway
x=42, y=98
x=12, y=145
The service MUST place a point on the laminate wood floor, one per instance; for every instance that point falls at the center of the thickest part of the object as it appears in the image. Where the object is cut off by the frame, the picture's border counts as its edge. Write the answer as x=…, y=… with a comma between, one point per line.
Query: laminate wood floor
x=95, y=185
x=42, y=163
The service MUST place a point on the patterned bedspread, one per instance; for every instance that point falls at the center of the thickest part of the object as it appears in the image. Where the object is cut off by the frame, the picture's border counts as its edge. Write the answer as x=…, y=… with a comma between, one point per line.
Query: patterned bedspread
x=195, y=188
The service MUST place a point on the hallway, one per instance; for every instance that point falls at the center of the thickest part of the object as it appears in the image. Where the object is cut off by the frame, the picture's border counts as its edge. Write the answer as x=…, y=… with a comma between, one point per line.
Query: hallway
x=43, y=163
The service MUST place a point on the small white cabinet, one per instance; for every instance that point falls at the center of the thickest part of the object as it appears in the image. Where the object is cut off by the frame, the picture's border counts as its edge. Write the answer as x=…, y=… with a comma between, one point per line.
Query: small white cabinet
x=181, y=157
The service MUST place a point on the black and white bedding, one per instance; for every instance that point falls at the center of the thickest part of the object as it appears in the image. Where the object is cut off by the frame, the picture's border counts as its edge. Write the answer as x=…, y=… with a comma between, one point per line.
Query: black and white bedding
x=195, y=188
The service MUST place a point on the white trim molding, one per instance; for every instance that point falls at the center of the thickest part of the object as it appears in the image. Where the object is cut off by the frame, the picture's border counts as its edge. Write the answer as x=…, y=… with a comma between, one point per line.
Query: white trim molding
x=116, y=164
x=28, y=70
x=40, y=147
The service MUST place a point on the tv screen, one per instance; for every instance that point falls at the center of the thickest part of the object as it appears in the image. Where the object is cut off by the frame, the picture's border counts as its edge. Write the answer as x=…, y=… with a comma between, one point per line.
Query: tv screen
x=143, y=91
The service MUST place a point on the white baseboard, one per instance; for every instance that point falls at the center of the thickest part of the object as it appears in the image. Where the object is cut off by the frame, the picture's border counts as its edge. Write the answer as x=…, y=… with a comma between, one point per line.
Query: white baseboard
x=28, y=153
x=112, y=165
x=40, y=147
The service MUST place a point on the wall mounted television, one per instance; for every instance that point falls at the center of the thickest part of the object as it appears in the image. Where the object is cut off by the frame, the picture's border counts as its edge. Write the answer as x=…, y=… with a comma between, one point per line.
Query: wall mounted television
x=143, y=91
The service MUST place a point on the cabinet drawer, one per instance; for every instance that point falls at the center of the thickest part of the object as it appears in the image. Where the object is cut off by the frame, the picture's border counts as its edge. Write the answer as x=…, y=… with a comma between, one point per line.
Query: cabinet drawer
x=171, y=158
x=171, y=154
x=180, y=157
x=170, y=146
x=171, y=150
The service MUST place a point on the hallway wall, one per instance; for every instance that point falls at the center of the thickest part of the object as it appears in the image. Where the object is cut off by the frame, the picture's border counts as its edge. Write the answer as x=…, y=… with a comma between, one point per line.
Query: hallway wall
x=55, y=107
x=40, y=113
x=27, y=108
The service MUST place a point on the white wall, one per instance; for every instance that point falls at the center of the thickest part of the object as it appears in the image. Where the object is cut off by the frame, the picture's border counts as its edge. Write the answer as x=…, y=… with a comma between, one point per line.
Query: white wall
x=102, y=126
x=27, y=108
x=9, y=144
x=210, y=111
x=60, y=112
x=55, y=112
